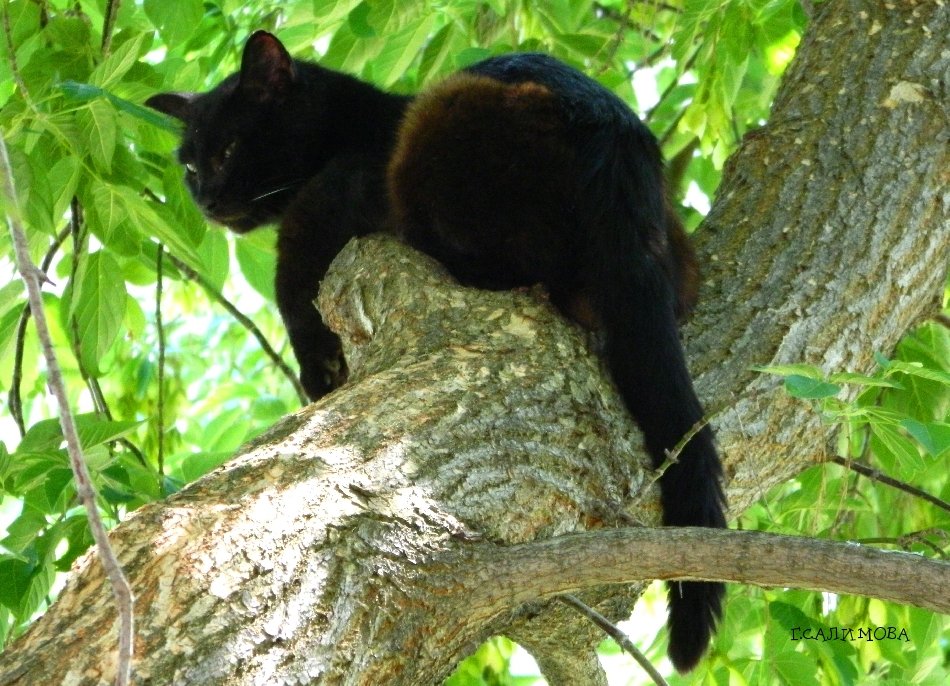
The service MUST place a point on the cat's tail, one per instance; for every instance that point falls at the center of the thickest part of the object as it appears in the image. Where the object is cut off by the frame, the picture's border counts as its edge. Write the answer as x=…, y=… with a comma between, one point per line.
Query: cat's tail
x=634, y=294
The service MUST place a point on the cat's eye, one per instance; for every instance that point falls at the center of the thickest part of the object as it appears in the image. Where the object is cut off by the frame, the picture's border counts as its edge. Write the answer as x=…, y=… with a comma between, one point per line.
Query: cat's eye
x=228, y=151
x=191, y=168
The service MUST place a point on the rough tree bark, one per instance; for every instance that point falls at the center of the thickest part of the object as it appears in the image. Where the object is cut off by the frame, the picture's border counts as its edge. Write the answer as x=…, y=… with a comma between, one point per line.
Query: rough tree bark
x=377, y=536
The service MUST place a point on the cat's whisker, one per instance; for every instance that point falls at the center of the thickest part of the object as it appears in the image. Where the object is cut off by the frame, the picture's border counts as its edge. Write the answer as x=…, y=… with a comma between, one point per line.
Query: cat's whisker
x=281, y=189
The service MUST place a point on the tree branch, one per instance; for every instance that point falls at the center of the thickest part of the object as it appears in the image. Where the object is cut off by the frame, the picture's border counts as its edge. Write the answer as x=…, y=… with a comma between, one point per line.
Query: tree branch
x=880, y=477
x=477, y=432
x=543, y=568
x=14, y=399
x=33, y=278
x=108, y=25
x=244, y=321
x=159, y=327
x=615, y=633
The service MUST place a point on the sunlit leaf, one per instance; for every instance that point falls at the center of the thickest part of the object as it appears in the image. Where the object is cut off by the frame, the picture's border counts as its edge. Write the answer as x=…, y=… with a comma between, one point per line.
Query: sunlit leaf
x=97, y=307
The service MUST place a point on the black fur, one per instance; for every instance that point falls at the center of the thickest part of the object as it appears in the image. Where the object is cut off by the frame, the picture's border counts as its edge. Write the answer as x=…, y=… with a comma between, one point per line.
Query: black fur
x=519, y=170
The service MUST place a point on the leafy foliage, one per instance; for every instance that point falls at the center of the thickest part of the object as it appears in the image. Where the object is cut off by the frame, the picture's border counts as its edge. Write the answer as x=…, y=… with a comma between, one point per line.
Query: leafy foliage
x=108, y=216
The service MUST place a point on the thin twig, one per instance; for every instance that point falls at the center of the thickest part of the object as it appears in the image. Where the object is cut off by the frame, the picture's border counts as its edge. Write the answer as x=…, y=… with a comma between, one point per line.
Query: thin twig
x=108, y=25
x=85, y=489
x=79, y=239
x=908, y=540
x=880, y=477
x=615, y=633
x=623, y=20
x=615, y=43
x=161, y=361
x=673, y=84
x=76, y=224
x=14, y=399
x=11, y=49
x=218, y=297
x=652, y=58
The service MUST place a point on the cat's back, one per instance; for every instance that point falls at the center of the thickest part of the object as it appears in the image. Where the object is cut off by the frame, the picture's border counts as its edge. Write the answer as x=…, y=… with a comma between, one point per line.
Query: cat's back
x=583, y=101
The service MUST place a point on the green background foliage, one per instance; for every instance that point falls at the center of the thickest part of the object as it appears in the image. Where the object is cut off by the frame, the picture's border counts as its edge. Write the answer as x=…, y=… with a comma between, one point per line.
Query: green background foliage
x=145, y=297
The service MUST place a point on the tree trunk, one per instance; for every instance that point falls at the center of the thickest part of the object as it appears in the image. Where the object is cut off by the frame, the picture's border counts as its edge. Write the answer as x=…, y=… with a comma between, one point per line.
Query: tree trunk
x=371, y=538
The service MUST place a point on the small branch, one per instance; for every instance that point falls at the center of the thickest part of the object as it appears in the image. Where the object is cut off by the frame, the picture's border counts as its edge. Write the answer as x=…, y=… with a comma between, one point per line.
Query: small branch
x=108, y=26
x=92, y=383
x=160, y=419
x=652, y=58
x=913, y=538
x=14, y=66
x=615, y=633
x=615, y=42
x=624, y=22
x=84, y=486
x=15, y=400
x=677, y=165
x=880, y=477
x=547, y=568
x=218, y=297
x=673, y=84
x=673, y=456
x=241, y=318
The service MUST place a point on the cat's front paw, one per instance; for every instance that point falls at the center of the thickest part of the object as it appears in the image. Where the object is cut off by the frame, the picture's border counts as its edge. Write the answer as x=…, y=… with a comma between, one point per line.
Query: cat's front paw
x=323, y=376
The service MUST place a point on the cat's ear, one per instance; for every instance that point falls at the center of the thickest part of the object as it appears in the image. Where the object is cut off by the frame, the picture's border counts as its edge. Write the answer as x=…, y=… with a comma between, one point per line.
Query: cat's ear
x=267, y=69
x=177, y=105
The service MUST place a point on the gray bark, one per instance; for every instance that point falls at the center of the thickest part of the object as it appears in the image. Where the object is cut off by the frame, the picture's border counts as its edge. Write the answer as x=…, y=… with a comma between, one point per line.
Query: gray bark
x=377, y=536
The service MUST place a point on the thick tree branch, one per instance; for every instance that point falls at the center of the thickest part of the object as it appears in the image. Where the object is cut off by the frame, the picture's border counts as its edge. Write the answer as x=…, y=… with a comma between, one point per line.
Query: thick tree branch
x=477, y=429
x=749, y=557
x=85, y=490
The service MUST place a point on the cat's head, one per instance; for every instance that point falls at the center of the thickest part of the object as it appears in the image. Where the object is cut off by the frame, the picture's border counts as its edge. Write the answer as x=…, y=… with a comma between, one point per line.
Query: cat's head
x=247, y=144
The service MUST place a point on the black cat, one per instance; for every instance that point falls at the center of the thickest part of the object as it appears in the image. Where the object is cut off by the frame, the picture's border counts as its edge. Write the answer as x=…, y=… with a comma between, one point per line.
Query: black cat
x=518, y=170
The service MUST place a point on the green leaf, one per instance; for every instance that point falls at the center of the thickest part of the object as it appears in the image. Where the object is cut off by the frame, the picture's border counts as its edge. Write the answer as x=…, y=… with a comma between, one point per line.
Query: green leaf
x=8, y=327
x=357, y=21
x=24, y=585
x=806, y=370
x=863, y=380
x=22, y=531
x=120, y=60
x=47, y=435
x=934, y=436
x=85, y=92
x=44, y=488
x=76, y=532
x=109, y=207
x=795, y=669
x=71, y=33
x=183, y=244
x=809, y=389
x=435, y=58
x=899, y=446
x=349, y=53
x=198, y=464
x=15, y=577
x=64, y=178
x=97, y=121
x=11, y=296
x=919, y=370
x=187, y=218
x=257, y=256
x=176, y=21
x=400, y=50
x=583, y=45
x=215, y=258
x=98, y=307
